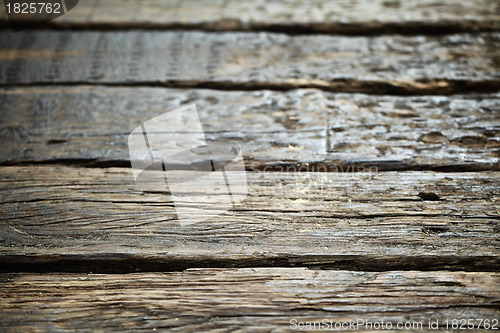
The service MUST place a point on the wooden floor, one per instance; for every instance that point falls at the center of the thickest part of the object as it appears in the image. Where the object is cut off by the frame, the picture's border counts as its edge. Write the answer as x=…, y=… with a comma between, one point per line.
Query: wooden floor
x=371, y=136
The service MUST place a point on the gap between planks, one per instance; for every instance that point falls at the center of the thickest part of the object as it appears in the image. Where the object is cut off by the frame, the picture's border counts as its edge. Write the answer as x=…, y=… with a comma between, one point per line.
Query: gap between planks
x=429, y=87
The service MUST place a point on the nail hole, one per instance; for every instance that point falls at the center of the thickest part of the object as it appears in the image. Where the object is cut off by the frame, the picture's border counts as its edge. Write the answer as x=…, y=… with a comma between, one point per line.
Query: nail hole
x=434, y=230
x=429, y=196
x=56, y=141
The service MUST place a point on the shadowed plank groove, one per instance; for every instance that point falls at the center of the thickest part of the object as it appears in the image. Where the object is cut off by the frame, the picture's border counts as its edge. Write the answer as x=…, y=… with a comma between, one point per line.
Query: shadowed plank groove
x=304, y=129
x=385, y=64
x=61, y=218
x=296, y=16
x=244, y=299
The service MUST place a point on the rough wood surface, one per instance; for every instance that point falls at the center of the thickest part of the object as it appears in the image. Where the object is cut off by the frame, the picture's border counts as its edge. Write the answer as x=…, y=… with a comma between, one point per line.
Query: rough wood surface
x=63, y=101
x=74, y=219
x=258, y=299
x=351, y=17
x=307, y=128
x=386, y=64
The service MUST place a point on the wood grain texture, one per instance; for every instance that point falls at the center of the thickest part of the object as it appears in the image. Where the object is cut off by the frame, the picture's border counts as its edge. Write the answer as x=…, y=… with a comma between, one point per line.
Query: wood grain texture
x=385, y=64
x=77, y=219
x=305, y=128
x=258, y=299
x=406, y=246
x=348, y=17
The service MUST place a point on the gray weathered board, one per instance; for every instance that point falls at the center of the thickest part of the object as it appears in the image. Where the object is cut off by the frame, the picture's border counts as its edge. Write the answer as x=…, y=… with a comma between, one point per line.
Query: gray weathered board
x=258, y=299
x=347, y=17
x=383, y=64
x=64, y=218
x=305, y=128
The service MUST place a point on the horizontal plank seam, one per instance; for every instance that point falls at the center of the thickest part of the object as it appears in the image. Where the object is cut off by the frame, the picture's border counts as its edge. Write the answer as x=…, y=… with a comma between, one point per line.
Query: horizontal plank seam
x=353, y=29
x=123, y=263
x=388, y=88
x=349, y=167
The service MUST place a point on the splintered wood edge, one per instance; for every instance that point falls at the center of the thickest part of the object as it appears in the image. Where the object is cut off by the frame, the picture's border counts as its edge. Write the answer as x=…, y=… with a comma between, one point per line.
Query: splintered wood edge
x=73, y=219
x=251, y=298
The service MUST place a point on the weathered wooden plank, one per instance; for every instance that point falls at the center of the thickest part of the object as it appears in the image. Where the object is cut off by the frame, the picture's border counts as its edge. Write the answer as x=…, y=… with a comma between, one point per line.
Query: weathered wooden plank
x=307, y=129
x=74, y=219
x=258, y=299
x=353, y=17
x=387, y=64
